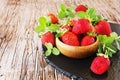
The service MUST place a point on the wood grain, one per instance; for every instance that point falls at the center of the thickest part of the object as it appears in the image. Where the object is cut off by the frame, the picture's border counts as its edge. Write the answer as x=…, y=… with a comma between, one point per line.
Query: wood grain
x=20, y=48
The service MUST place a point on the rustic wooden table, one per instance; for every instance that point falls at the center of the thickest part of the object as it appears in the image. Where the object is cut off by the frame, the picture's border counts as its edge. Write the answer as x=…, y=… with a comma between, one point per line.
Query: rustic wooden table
x=20, y=48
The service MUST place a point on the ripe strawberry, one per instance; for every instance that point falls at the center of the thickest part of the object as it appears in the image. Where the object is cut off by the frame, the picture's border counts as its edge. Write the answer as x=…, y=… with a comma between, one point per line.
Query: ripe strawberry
x=103, y=27
x=48, y=38
x=87, y=40
x=54, y=19
x=81, y=8
x=92, y=29
x=81, y=26
x=70, y=39
x=67, y=27
x=100, y=65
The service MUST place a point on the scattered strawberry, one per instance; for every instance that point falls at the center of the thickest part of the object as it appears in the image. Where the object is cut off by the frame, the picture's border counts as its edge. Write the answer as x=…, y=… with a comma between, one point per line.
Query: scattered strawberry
x=81, y=26
x=81, y=8
x=48, y=38
x=70, y=39
x=87, y=40
x=54, y=19
x=67, y=27
x=100, y=65
x=103, y=27
x=72, y=22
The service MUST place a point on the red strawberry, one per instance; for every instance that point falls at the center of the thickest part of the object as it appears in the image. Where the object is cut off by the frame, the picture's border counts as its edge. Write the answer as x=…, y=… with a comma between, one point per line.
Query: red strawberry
x=48, y=38
x=103, y=27
x=54, y=19
x=92, y=29
x=87, y=40
x=100, y=65
x=81, y=8
x=66, y=27
x=70, y=39
x=81, y=26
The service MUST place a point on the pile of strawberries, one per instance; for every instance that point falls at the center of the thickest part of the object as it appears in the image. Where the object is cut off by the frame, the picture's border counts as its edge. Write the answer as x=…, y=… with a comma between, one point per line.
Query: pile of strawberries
x=77, y=31
x=80, y=32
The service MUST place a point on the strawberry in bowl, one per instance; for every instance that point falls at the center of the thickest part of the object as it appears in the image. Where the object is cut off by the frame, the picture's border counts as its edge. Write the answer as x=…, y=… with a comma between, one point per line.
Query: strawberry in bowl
x=76, y=43
x=79, y=33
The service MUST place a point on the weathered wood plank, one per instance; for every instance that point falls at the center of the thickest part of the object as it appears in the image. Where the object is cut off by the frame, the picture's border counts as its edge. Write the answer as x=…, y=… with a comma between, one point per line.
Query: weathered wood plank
x=20, y=48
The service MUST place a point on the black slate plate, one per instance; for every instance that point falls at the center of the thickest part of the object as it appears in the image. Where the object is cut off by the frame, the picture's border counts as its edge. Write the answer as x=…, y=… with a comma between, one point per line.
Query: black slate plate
x=78, y=69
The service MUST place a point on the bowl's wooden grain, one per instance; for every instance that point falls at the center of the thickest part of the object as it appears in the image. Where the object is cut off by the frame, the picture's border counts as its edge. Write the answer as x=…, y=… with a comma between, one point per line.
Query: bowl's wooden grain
x=76, y=51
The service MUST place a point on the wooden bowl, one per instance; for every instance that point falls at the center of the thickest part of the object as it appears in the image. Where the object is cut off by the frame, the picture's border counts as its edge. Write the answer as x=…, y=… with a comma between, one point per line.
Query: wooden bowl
x=76, y=51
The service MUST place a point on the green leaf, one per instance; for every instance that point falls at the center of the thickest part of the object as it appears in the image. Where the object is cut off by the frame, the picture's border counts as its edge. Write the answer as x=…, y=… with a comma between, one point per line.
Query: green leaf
x=62, y=14
x=67, y=21
x=51, y=49
x=39, y=29
x=58, y=34
x=111, y=48
x=48, y=52
x=62, y=7
x=42, y=25
x=116, y=38
x=91, y=12
x=105, y=39
x=42, y=20
x=106, y=45
x=70, y=13
x=65, y=12
x=81, y=14
x=55, y=51
x=114, y=34
x=54, y=27
x=48, y=45
x=71, y=8
x=117, y=44
x=48, y=20
x=100, y=48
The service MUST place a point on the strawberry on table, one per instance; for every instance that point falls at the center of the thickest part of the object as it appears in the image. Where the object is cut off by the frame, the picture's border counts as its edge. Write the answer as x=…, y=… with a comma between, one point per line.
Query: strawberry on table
x=87, y=40
x=48, y=37
x=81, y=8
x=70, y=39
x=100, y=65
x=81, y=26
x=54, y=19
x=103, y=27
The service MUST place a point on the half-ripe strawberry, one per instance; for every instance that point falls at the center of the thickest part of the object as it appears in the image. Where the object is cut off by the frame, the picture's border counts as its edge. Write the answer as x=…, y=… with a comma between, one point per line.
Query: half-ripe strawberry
x=100, y=65
x=48, y=37
x=81, y=8
x=70, y=39
x=72, y=22
x=87, y=40
x=66, y=27
x=81, y=26
x=53, y=18
x=103, y=28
